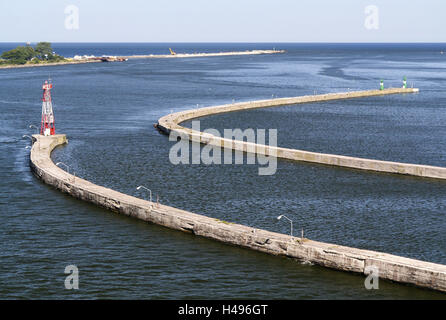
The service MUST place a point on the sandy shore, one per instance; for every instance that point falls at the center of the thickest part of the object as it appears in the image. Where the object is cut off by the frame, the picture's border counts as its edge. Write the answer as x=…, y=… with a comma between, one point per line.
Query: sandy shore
x=14, y=66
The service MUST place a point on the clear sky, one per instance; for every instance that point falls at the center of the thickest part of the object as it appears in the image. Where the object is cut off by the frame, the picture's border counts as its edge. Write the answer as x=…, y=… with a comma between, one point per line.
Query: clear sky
x=223, y=21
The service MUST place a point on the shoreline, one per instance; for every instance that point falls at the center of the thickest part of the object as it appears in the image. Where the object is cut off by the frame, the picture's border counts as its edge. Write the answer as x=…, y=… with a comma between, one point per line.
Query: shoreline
x=51, y=64
x=151, y=56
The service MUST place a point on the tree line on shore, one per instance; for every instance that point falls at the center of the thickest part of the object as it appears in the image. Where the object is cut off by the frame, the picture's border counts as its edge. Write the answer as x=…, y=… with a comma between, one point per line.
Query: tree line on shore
x=41, y=53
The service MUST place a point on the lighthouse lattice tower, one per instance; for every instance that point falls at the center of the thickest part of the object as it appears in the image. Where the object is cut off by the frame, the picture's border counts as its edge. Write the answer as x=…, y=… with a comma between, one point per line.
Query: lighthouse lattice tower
x=47, y=127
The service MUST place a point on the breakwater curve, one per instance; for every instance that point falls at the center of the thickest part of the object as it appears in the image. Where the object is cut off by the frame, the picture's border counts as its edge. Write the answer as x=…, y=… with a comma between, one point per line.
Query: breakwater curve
x=171, y=123
x=391, y=267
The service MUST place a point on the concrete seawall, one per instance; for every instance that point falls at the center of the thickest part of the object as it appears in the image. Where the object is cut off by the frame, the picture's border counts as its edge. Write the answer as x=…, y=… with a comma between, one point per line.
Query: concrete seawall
x=391, y=267
x=172, y=122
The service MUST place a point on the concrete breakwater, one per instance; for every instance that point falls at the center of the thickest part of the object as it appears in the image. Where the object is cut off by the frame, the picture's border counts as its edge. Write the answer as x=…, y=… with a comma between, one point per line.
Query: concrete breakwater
x=172, y=122
x=204, y=54
x=391, y=267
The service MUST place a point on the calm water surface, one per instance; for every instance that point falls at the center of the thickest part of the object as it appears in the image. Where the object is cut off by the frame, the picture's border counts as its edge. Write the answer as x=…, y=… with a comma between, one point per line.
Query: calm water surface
x=107, y=112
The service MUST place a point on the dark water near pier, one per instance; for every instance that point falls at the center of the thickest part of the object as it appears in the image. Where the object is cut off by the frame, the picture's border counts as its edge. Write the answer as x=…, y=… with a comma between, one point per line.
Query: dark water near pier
x=107, y=112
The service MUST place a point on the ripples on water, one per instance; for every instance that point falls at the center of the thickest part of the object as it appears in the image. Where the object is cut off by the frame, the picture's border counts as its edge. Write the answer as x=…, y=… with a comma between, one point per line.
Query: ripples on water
x=107, y=111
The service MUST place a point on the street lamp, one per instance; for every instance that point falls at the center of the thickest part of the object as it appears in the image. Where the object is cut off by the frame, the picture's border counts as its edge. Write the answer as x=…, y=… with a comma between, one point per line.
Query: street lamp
x=27, y=136
x=150, y=191
x=283, y=216
x=66, y=166
x=33, y=126
x=68, y=169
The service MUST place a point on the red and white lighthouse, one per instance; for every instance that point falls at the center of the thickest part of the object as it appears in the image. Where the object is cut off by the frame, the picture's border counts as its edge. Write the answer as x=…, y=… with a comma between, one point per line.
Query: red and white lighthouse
x=47, y=127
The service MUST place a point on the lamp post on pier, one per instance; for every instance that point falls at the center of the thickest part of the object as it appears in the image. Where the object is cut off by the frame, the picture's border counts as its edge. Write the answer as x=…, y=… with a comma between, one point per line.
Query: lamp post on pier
x=33, y=126
x=150, y=191
x=284, y=216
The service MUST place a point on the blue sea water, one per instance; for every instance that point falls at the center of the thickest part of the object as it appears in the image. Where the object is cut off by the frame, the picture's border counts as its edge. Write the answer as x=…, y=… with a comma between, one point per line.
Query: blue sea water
x=107, y=112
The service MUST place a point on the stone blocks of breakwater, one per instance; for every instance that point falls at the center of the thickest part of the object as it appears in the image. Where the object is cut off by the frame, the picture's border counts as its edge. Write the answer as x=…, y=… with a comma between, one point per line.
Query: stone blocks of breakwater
x=391, y=267
x=172, y=122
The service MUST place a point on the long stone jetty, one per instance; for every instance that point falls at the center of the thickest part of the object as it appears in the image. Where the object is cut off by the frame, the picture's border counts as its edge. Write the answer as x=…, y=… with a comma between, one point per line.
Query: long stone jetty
x=391, y=267
x=172, y=122
x=204, y=54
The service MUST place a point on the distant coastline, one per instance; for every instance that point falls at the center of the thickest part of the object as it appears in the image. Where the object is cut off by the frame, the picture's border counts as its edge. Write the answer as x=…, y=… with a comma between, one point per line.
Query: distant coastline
x=14, y=66
x=151, y=56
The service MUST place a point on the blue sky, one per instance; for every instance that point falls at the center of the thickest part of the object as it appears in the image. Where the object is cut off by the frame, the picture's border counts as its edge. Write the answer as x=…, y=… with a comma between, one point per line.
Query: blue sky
x=223, y=21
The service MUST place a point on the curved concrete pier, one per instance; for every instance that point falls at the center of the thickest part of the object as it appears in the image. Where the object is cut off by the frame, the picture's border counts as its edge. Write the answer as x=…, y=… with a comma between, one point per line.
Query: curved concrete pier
x=391, y=267
x=172, y=122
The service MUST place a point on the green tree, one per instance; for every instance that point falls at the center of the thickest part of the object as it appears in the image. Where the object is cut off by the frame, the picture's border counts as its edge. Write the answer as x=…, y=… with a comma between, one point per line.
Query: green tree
x=19, y=55
x=28, y=54
x=44, y=50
